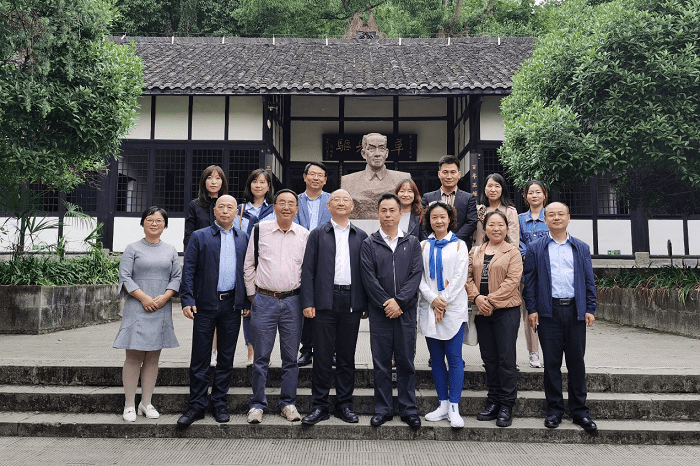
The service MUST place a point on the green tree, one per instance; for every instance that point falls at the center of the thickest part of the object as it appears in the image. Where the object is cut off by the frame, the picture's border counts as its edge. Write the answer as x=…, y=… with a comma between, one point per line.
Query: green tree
x=67, y=94
x=616, y=90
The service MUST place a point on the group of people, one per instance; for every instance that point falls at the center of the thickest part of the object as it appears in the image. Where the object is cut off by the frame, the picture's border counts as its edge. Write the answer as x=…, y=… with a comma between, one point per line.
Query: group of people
x=296, y=265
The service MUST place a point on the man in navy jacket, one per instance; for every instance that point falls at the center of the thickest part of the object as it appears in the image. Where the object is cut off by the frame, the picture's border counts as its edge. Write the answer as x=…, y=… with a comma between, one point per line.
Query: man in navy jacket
x=391, y=272
x=213, y=296
x=560, y=297
x=463, y=202
x=332, y=296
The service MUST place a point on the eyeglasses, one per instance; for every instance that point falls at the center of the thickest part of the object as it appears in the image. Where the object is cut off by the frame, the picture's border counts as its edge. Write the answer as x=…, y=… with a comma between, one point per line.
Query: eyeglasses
x=284, y=204
x=154, y=221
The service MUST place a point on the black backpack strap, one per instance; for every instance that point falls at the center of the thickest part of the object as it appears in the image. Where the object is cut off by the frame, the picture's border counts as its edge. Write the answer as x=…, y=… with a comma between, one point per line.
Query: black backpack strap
x=256, y=240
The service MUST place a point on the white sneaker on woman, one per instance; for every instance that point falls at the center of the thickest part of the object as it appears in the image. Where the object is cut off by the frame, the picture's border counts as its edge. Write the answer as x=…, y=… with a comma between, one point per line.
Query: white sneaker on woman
x=440, y=413
x=456, y=420
x=534, y=360
x=148, y=411
x=129, y=414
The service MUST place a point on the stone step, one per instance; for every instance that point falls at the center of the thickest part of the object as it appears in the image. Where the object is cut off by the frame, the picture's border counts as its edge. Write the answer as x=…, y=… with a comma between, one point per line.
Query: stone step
x=27, y=424
x=173, y=400
x=528, y=379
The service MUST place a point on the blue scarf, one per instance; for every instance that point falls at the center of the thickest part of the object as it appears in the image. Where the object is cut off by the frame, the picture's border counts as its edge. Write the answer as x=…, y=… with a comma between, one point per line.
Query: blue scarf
x=440, y=244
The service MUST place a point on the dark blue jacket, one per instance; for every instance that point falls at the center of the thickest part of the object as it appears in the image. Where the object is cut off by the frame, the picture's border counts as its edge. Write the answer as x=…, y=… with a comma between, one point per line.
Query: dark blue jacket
x=387, y=274
x=200, y=273
x=538, y=278
x=197, y=217
x=318, y=269
x=303, y=216
x=465, y=204
x=415, y=227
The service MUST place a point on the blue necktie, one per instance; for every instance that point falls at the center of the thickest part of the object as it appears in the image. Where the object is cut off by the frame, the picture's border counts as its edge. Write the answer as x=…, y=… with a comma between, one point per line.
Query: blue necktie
x=433, y=266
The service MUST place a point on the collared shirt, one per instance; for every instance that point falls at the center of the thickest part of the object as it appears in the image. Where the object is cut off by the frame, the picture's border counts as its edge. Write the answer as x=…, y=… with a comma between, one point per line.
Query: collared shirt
x=280, y=255
x=314, y=206
x=448, y=199
x=342, y=254
x=391, y=242
x=227, y=260
x=379, y=174
x=561, y=263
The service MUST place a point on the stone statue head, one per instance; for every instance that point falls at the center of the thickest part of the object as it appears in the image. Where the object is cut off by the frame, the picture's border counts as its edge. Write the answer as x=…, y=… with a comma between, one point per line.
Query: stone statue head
x=375, y=150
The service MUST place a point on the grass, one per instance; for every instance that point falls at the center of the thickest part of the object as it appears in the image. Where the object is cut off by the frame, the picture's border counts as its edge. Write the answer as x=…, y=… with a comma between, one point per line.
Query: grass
x=653, y=281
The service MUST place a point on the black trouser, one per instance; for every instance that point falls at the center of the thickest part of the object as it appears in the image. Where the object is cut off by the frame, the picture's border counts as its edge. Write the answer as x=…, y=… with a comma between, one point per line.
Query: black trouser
x=307, y=337
x=563, y=334
x=497, y=334
x=227, y=322
x=335, y=330
x=397, y=338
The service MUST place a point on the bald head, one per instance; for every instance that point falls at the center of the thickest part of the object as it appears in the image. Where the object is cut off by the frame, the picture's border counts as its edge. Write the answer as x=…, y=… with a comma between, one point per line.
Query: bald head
x=557, y=205
x=556, y=216
x=341, y=206
x=225, y=211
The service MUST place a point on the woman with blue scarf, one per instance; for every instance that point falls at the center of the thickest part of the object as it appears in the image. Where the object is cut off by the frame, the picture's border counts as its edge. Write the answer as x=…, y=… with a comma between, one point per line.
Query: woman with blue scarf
x=443, y=307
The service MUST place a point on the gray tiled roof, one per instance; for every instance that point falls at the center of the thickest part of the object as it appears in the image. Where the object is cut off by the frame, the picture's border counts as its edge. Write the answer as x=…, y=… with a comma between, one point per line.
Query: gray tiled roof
x=311, y=66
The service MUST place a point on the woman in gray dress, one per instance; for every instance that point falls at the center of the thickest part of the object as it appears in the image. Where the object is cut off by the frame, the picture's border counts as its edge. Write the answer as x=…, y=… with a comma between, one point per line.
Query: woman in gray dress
x=149, y=273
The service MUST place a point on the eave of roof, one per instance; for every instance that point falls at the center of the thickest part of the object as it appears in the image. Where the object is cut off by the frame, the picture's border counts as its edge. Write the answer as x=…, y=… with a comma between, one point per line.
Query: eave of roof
x=230, y=66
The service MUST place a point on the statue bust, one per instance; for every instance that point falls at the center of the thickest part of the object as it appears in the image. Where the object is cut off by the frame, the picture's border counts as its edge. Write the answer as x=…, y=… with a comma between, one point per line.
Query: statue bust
x=366, y=186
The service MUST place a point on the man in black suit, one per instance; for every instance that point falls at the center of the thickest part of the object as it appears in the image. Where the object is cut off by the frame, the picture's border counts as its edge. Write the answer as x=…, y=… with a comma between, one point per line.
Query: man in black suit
x=463, y=202
x=332, y=294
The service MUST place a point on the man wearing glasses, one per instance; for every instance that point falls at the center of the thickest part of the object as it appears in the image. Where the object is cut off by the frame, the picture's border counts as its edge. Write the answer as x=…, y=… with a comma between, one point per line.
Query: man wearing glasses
x=273, y=279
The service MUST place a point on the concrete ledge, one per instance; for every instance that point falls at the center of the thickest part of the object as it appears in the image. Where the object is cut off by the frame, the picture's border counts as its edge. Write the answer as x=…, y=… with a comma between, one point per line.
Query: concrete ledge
x=274, y=427
x=661, y=310
x=40, y=309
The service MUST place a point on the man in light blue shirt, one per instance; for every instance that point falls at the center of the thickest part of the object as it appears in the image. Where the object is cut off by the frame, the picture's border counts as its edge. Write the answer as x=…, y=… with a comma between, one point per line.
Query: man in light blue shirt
x=313, y=212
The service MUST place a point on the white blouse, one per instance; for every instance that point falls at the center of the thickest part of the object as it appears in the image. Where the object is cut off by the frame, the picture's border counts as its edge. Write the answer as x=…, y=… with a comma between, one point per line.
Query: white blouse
x=455, y=267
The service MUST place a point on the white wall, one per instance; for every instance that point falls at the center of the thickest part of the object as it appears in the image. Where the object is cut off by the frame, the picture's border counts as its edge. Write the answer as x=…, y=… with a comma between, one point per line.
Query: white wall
x=306, y=142
x=127, y=230
x=74, y=232
x=491, y=119
x=694, y=237
x=171, y=117
x=614, y=235
x=209, y=118
x=369, y=106
x=322, y=106
x=660, y=231
x=583, y=230
x=410, y=106
x=431, y=136
x=142, y=126
x=245, y=118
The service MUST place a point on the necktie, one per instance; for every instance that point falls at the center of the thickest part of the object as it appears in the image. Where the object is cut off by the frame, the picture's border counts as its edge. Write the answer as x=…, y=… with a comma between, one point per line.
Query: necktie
x=435, y=265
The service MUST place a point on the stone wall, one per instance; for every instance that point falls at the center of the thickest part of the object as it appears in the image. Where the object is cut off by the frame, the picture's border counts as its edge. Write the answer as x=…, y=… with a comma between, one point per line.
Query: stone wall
x=664, y=311
x=42, y=309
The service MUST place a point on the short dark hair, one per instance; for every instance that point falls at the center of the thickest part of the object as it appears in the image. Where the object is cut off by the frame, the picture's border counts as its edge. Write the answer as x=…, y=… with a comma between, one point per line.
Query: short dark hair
x=386, y=196
x=248, y=194
x=152, y=210
x=318, y=164
x=451, y=213
x=285, y=190
x=505, y=196
x=449, y=160
x=491, y=214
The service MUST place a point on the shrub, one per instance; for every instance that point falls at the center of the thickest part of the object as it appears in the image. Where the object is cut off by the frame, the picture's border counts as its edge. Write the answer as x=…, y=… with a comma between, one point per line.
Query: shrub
x=653, y=281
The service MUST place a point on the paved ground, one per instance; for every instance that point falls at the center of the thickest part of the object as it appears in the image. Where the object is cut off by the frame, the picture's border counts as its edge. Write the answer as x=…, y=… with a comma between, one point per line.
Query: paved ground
x=610, y=347
x=52, y=451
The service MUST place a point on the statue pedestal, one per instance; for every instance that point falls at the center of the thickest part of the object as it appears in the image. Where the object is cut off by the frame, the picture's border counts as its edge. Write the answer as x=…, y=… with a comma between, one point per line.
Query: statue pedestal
x=368, y=225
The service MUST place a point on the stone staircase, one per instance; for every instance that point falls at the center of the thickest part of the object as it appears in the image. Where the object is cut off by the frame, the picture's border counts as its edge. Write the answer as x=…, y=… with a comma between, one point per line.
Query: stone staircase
x=82, y=401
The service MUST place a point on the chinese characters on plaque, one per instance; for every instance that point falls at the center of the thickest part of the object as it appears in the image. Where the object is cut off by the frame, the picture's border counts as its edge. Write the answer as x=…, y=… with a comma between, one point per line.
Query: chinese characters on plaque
x=348, y=147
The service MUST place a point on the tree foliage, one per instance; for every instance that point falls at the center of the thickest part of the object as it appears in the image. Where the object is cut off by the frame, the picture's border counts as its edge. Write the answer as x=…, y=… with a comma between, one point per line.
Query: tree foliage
x=67, y=94
x=616, y=91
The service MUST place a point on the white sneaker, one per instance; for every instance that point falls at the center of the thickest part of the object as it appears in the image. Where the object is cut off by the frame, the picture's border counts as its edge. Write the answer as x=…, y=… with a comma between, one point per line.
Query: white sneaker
x=255, y=416
x=148, y=411
x=456, y=420
x=290, y=413
x=129, y=414
x=212, y=363
x=440, y=413
x=535, y=360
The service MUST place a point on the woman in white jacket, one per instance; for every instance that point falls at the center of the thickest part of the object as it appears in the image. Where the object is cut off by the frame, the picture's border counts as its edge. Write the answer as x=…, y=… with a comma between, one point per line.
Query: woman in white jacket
x=443, y=307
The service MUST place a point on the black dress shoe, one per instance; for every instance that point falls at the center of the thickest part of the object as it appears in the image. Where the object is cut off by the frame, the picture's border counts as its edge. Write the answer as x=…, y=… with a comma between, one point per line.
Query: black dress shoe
x=379, y=419
x=346, y=415
x=413, y=420
x=304, y=360
x=489, y=413
x=189, y=417
x=316, y=415
x=552, y=421
x=505, y=416
x=220, y=414
x=587, y=424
